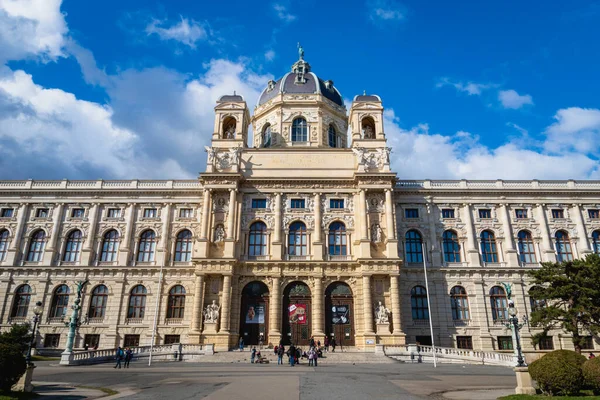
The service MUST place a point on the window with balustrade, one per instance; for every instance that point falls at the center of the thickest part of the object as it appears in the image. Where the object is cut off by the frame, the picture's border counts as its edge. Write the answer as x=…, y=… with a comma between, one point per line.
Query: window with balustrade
x=147, y=246
x=418, y=303
x=21, y=302
x=176, y=305
x=183, y=246
x=298, y=239
x=36, y=246
x=337, y=239
x=73, y=246
x=489, y=251
x=499, y=304
x=526, y=248
x=451, y=247
x=110, y=246
x=564, y=252
x=414, y=247
x=98, y=302
x=459, y=304
x=60, y=302
x=3, y=244
x=137, y=302
x=257, y=239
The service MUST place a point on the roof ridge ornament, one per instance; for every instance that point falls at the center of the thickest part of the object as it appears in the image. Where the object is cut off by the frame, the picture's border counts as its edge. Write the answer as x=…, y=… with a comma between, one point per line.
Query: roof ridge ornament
x=300, y=67
x=300, y=52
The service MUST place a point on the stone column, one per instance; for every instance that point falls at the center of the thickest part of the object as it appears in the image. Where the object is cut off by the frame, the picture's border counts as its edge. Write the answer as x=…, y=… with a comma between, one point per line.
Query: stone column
x=164, y=240
x=89, y=241
x=389, y=214
x=15, y=248
x=547, y=249
x=226, y=304
x=318, y=308
x=395, y=294
x=317, y=217
x=511, y=253
x=126, y=243
x=277, y=227
x=583, y=244
x=436, y=254
x=472, y=250
x=367, y=305
x=275, y=310
x=231, y=216
x=362, y=209
x=198, y=303
x=205, y=213
x=56, y=220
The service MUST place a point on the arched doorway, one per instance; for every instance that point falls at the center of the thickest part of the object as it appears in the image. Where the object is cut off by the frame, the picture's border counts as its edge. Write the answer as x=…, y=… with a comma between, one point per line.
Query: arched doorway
x=254, y=314
x=296, y=317
x=339, y=313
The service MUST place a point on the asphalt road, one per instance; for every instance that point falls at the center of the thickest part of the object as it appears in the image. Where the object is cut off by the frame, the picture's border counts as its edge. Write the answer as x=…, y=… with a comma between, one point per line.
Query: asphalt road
x=269, y=381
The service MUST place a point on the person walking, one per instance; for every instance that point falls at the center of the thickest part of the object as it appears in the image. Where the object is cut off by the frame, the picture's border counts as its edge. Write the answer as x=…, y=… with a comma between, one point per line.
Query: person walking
x=280, y=353
x=312, y=342
x=326, y=343
x=333, y=344
x=119, y=356
x=241, y=343
x=252, y=355
x=128, y=357
x=311, y=356
x=298, y=355
x=291, y=354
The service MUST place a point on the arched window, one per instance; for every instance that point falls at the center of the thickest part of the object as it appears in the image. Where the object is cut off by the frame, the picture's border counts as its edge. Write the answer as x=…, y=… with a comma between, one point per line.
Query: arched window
x=414, y=247
x=499, y=303
x=257, y=241
x=333, y=137
x=451, y=246
x=299, y=130
x=526, y=248
x=337, y=239
x=137, y=302
x=98, y=302
x=73, y=246
x=266, y=136
x=110, y=246
x=297, y=243
x=563, y=246
x=60, y=302
x=3, y=244
x=147, y=246
x=595, y=240
x=36, y=246
x=460, y=303
x=535, y=304
x=183, y=246
x=21, y=301
x=489, y=252
x=418, y=303
x=368, y=128
x=176, y=305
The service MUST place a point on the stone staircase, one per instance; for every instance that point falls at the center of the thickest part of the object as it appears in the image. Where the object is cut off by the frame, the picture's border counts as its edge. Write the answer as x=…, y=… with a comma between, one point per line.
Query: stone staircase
x=347, y=356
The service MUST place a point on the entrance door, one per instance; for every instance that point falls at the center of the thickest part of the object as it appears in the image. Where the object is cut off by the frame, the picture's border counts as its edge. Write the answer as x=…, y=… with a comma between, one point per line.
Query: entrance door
x=339, y=310
x=254, y=315
x=296, y=314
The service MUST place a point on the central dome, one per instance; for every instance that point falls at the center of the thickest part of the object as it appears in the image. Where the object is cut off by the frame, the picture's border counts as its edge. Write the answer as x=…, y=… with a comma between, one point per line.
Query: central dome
x=301, y=81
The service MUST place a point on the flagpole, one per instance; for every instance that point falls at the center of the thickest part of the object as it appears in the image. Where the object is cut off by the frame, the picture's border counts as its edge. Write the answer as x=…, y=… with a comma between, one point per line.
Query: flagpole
x=158, y=293
x=429, y=307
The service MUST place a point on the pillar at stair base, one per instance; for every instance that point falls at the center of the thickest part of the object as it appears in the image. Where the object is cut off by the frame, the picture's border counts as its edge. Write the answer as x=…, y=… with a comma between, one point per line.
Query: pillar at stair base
x=222, y=341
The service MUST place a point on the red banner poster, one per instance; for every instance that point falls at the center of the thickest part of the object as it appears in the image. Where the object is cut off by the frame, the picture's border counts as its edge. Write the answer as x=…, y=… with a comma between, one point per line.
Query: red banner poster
x=297, y=313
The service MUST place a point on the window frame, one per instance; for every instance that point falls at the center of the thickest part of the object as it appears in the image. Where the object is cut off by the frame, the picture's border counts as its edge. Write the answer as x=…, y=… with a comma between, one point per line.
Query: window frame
x=266, y=136
x=451, y=246
x=297, y=239
x=73, y=246
x=60, y=302
x=557, y=213
x=484, y=213
x=413, y=246
x=462, y=340
x=21, y=301
x=77, y=210
x=411, y=213
x=337, y=239
x=521, y=213
x=489, y=247
x=176, y=302
x=4, y=243
x=336, y=204
x=136, y=306
x=42, y=212
x=150, y=213
x=186, y=212
x=110, y=246
x=498, y=304
x=563, y=246
x=7, y=210
x=294, y=203
x=113, y=212
x=146, y=246
x=448, y=213
x=98, y=302
x=459, y=304
x=419, y=305
x=593, y=213
x=37, y=246
x=505, y=343
x=183, y=246
x=261, y=244
x=596, y=241
x=257, y=204
x=299, y=130
x=526, y=247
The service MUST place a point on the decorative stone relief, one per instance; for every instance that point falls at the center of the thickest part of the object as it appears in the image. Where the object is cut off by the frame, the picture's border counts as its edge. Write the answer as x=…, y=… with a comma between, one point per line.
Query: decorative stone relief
x=347, y=219
x=211, y=313
x=376, y=233
x=376, y=202
x=309, y=220
x=381, y=314
x=223, y=159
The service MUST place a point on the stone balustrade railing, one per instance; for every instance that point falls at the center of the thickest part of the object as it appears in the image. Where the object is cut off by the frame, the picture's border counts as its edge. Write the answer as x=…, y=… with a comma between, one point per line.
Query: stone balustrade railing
x=100, y=184
x=496, y=184
x=166, y=352
x=449, y=355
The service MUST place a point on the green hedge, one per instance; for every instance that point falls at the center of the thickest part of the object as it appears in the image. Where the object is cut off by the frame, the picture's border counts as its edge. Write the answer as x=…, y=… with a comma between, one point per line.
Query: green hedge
x=591, y=373
x=12, y=366
x=559, y=372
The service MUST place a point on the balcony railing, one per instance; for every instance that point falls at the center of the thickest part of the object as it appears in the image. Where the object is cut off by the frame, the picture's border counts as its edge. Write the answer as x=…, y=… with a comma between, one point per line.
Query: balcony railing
x=461, y=322
x=332, y=257
x=173, y=321
x=134, y=321
x=17, y=320
x=56, y=320
x=420, y=322
x=95, y=320
x=258, y=258
x=290, y=257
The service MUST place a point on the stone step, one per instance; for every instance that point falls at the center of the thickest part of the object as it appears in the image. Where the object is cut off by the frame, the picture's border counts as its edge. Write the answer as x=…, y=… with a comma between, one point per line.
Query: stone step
x=346, y=357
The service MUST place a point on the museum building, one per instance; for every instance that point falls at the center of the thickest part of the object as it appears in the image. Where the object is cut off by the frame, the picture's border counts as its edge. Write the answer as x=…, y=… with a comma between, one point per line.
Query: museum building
x=302, y=230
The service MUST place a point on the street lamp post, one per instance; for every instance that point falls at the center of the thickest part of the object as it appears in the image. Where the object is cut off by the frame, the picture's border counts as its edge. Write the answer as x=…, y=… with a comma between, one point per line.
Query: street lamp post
x=37, y=311
x=514, y=323
x=67, y=356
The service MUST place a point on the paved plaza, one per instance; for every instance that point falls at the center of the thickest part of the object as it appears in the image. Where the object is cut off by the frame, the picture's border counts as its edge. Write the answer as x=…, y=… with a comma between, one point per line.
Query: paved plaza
x=270, y=381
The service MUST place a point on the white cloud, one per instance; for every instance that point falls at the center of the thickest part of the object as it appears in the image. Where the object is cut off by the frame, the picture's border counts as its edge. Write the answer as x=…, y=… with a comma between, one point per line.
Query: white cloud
x=511, y=99
x=471, y=88
x=385, y=10
x=282, y=13
x=575, y=129
x=31, y=28
x=186, y=31
x=270, y=55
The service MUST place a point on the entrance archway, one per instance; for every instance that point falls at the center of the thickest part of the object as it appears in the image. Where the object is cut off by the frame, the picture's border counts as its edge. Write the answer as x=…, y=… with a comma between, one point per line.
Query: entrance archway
x=296, y=315
x=339, y=313
x=254, y=314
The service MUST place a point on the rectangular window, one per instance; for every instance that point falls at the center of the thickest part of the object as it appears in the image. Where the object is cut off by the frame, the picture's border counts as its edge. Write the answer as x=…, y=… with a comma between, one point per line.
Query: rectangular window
x=298, y=203
x=411, y=213
x=447, y=213
x=259, y=203
x=170, y=339
x=336, y=203
x=114, y=213
x=505, y=343
x=185, y=213
x=77, y=213
x=485, y=213
x=558, y=213
x=52, y=340
x=6, y=213
x=42, y=213
x=521, y=213
x=131, y=341
x=92, y=341
x=464, y=342
x=546, y=343
x=150, y=213
x=594, y=214
x=588, y=343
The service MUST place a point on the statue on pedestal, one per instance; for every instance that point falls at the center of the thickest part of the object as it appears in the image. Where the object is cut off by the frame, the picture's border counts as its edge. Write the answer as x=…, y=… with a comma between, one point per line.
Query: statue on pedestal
x=211, y=313
x=382, y=314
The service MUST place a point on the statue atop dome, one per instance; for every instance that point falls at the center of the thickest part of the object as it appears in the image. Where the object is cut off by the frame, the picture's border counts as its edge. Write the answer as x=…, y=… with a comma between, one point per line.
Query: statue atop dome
x=300, y=52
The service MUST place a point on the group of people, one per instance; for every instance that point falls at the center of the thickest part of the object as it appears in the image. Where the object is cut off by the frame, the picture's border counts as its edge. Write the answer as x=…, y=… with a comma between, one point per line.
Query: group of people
x=123, y=355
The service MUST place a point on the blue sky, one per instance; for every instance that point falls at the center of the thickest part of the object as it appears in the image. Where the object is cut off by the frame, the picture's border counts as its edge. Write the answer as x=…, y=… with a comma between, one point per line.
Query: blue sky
x=126, y=89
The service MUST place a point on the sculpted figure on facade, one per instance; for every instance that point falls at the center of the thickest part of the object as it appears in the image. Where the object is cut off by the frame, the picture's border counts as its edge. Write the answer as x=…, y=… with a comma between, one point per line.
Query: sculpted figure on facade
x=368, y=132
x=211, y=313
x=382, y=314
x=376, y=233
x=230, y=131
x=212, y=154
x=219, y=233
